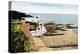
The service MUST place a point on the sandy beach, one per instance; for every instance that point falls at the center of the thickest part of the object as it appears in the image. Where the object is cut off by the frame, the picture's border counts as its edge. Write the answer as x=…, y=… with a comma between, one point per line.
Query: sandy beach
x=69, y=40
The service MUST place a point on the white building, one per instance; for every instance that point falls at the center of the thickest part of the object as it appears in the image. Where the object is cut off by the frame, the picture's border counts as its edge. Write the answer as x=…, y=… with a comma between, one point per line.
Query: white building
x=40, y=30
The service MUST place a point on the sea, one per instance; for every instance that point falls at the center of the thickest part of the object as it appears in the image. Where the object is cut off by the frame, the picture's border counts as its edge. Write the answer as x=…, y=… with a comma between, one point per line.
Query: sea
x=58, y=18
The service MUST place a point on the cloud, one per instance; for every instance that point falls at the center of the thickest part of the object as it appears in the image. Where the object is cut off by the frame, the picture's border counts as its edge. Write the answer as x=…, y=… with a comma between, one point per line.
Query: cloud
x=44, y=8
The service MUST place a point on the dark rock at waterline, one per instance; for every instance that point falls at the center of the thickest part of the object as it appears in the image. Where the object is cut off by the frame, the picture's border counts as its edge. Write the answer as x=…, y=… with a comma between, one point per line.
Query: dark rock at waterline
x=50, y=26
x=71, y=26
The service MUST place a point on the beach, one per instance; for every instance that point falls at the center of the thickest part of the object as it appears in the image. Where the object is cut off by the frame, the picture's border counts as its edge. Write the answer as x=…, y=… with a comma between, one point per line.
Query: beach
x=69, y=40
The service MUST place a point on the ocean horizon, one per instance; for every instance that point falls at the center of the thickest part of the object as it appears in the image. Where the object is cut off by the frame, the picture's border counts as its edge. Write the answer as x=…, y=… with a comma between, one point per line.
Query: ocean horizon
x=58, y=18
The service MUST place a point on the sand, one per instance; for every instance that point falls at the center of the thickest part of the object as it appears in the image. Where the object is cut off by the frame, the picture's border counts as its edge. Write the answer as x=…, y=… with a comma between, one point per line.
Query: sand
x=68, y=38
x=58, y=42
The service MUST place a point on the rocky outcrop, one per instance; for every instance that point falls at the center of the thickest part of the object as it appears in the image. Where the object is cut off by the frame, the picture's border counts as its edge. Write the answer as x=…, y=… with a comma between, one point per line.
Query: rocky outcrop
x=50, y=26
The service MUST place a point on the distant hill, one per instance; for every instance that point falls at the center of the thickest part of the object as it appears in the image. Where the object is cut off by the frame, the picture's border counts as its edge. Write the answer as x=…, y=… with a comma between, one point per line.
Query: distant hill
x=17, y=15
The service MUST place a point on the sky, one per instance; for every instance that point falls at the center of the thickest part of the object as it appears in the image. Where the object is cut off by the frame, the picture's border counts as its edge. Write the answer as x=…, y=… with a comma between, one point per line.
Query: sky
x=31, y=7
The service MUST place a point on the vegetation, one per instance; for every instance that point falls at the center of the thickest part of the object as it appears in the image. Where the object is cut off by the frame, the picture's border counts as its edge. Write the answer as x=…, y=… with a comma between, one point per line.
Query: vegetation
x=14, y=15
x=19, y=42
